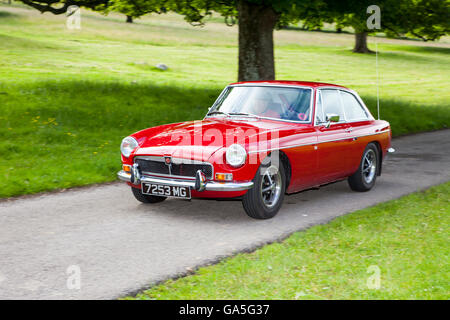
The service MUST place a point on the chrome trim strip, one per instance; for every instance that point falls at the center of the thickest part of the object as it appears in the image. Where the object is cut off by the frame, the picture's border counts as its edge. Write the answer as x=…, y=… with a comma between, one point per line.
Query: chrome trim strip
x=174, y=160
x=313, y=143
x=209, y=186
x=154, y=174
x=152, y=158
x=217, y=100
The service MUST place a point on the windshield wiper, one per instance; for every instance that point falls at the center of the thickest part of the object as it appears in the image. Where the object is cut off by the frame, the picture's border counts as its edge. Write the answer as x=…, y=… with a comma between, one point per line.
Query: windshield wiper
x=232, y=114
x=217, y=112
x=243, y=114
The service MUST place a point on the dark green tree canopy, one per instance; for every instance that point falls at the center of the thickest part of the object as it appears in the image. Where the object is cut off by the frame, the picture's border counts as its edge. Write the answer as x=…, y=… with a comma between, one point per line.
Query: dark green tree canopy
x=60, y=7
x=136, y=8
x=428, y=20
x=424, y=19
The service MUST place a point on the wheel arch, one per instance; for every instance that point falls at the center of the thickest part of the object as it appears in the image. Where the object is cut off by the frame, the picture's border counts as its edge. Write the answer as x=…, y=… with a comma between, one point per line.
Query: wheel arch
x=284, y=159
x=380, y=155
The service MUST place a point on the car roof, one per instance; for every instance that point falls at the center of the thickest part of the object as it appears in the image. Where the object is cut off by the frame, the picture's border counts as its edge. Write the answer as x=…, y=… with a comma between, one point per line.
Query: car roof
x=290, y=83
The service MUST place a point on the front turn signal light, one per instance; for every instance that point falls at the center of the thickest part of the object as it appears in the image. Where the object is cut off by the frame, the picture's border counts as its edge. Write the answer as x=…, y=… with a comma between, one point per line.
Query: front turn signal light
x=126, y=168
x=224, y=177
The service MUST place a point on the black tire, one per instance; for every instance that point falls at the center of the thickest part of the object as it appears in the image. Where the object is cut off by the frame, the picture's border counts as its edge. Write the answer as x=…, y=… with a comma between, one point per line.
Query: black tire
x=145, y=198
x=253, y=202
x=360, y=181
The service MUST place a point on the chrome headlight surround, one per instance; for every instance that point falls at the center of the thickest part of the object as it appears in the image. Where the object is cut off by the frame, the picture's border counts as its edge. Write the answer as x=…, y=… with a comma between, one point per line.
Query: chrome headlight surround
x=236, y=155
x=128, y=145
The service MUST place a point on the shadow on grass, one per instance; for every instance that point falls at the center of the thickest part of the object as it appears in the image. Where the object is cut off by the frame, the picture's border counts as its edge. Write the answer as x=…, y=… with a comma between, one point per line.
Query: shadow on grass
x=407, y=117
x=297, y=28
x=5, y=14
x=93, y=104
x=414, y=58
x=420, y=49
x=394, y=54
x=10, y=42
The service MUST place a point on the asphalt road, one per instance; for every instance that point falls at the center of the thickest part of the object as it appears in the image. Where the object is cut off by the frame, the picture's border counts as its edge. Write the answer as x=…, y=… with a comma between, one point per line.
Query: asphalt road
x=118, y=246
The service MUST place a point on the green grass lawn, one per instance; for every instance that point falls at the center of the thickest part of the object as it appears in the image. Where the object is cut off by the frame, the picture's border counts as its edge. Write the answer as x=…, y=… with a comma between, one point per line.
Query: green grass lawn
x=407, y=240
x=68, y=97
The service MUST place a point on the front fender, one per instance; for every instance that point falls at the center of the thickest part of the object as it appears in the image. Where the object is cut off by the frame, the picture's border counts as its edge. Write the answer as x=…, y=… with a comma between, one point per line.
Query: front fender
x=246, y=172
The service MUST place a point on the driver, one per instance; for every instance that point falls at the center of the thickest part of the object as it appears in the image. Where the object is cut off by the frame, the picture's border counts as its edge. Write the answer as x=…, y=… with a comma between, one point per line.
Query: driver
x=261, y=107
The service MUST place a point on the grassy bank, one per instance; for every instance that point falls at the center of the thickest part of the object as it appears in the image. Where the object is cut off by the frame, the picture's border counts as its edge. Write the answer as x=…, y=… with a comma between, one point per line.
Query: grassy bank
x=405, y=239
x=67, y=98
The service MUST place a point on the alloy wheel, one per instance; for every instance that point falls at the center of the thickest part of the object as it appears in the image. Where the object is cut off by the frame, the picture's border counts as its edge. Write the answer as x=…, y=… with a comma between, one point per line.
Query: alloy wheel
x=271, y=186
x=369, y=166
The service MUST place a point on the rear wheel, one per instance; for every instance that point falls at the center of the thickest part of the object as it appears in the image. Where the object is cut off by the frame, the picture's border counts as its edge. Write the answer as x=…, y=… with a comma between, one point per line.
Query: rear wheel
x=145, y=198
x=264, y=200
x=364, y=179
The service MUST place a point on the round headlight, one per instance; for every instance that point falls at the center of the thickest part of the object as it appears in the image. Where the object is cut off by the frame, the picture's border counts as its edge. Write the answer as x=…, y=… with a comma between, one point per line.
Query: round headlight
x=128, y=145
x=236, y=155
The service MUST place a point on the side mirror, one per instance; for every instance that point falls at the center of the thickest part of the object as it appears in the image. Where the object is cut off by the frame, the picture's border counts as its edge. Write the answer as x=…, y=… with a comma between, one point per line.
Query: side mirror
x=331, y=117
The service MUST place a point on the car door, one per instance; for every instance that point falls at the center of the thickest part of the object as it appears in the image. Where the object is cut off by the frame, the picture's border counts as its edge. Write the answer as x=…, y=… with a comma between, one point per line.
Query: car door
x=333, y=141
x=299, y=144
x=360, y=122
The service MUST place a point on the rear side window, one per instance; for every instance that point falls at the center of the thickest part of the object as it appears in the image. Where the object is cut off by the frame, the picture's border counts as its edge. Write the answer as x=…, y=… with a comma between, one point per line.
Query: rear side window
x=331, y=103
x=353, y=109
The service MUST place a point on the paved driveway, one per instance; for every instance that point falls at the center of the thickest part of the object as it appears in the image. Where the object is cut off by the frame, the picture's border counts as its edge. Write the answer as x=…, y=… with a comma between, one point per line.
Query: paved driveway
x=120, y=245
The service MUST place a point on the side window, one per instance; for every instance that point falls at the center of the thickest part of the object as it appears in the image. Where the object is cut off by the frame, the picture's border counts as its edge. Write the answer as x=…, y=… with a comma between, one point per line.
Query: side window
x=332, y=103
x=353, y=109
x=320, y=117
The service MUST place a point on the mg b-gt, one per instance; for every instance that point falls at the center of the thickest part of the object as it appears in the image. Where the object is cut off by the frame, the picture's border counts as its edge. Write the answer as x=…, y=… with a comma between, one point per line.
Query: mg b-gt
x=259, y=141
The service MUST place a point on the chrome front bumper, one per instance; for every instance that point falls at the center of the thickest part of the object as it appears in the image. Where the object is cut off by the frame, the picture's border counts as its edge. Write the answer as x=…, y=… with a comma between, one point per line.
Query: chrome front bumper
x=208, y=186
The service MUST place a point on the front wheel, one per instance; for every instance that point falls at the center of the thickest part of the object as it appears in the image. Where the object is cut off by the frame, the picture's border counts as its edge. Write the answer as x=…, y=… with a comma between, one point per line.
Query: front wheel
x=264, y=200
x=364, y=179
x=146, y=198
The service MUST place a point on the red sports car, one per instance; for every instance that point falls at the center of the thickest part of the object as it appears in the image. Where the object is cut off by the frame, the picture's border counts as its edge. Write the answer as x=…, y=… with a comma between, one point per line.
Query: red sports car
x=259, y=141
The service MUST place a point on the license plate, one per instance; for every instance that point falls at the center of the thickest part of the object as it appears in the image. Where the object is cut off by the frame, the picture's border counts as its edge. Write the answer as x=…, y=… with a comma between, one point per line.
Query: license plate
x=166, y=191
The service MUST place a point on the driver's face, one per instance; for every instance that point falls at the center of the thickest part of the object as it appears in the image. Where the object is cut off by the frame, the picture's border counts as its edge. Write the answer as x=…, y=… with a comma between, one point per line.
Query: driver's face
x=260, y=106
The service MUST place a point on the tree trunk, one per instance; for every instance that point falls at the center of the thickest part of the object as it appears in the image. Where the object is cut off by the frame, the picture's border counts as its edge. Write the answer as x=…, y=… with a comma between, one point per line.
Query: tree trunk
x=129, y=19
x=361, y=43
x=256, y=24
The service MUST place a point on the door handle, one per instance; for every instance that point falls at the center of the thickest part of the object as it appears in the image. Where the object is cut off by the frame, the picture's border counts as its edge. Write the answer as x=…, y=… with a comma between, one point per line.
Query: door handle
x=348, y=130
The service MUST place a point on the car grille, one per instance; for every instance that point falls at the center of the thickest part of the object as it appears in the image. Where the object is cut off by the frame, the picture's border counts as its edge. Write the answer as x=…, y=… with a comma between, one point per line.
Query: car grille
x=158, y=166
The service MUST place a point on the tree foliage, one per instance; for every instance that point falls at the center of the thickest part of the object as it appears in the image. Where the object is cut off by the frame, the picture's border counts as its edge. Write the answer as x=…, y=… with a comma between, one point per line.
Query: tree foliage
x=428, y=20
x=424, y=19
x=136, y=8
x=60, y=7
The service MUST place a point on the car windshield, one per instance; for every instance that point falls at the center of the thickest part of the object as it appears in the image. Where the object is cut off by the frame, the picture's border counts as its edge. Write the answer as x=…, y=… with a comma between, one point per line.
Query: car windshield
x=265, y=101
